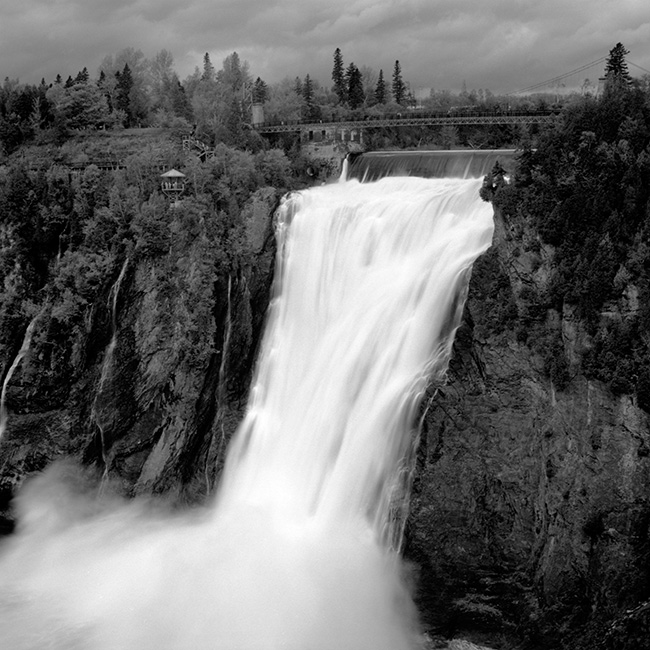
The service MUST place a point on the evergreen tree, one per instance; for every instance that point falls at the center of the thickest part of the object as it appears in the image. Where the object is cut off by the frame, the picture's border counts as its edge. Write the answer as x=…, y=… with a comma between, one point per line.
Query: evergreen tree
x=124, y=86
x=208, y=69
x=399, y=88
x=380, y=90
x=616, y=66
x=308, y=99
x=356, y=96
x=338, y=77
x=82, y=76
x=180, y=103
x=260, y=91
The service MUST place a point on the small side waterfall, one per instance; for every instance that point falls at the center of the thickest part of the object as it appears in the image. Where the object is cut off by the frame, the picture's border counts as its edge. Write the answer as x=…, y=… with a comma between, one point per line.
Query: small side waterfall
x=107, y=366
x=24, y=348
x=298, y=548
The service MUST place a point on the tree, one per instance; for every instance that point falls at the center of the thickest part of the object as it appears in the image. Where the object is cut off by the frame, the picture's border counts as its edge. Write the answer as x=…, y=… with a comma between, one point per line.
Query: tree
x=309, y=109
x=208, y=69
x=177, y=100
x=160, y=73
x=83, y=106
x=616, y=66
x=260, y=91
x=82, y=76
x=380, y=90
x=283, y=105
x=234, y=74
x=356, y=96
x=338, y=77
x=399, y=88
x=123, y=98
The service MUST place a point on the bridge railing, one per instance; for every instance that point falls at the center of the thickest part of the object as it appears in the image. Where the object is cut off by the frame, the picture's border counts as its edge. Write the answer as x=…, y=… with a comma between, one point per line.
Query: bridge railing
x=450, y=118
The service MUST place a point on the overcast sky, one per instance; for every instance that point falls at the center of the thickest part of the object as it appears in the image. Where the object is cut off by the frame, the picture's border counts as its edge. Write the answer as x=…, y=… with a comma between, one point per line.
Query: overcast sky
x=503, y=45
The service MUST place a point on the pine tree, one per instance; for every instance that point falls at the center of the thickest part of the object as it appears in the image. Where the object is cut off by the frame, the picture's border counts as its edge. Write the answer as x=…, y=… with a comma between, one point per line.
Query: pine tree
x=180, y=104
x=208, y=69
x=123, y=95
x=380, y=89
x=354, y=82
x=82, y=77
x=297, y=86
x=616, y=65
x=338, y=77
x=260, y=91
x=308, y=106
x=399, y=88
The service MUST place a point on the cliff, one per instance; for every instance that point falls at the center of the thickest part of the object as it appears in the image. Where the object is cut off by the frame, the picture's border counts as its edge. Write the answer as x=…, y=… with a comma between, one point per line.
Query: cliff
x=132, y=351
x=530, y=512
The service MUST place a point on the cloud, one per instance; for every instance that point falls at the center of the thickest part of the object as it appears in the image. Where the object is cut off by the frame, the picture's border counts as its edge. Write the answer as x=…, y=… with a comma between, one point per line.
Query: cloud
x=497, y=44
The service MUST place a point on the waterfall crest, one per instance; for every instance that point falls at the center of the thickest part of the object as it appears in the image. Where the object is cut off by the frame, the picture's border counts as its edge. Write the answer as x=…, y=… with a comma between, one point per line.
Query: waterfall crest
x=297, y=550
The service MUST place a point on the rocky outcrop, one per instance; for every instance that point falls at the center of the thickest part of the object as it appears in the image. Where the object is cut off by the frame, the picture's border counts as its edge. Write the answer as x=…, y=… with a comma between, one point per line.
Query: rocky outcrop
x=149, y=388
x=531, y=509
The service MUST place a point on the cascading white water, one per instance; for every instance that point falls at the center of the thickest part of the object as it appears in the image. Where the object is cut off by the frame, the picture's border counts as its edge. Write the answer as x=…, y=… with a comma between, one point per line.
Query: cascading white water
x=296, y=551
x=24, y=349
x=107, y=365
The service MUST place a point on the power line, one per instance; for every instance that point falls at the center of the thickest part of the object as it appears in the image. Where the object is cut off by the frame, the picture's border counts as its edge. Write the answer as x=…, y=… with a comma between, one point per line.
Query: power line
x=548, y=82
x=638, y=66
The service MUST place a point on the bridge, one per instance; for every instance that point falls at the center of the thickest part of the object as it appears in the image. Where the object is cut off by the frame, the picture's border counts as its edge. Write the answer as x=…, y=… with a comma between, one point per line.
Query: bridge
x=451, y=118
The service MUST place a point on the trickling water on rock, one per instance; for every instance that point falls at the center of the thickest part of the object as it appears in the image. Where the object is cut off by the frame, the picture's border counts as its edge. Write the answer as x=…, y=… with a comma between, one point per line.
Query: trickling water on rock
x=24, y=349
x=297, y=550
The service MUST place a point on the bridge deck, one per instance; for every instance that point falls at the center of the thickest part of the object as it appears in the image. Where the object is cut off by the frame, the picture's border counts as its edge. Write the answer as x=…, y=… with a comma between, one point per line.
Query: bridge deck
x=523, y=118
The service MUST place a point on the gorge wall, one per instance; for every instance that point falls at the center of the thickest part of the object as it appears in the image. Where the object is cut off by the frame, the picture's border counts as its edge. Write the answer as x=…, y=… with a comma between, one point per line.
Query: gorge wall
x=530, y=510
x=149, y=385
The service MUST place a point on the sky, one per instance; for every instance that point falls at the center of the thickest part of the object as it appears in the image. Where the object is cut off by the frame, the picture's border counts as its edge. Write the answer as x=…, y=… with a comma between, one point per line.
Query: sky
x=501, y=45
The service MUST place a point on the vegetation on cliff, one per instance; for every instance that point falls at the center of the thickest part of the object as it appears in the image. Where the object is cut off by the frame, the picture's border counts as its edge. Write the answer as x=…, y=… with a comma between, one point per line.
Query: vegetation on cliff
x=584, y=190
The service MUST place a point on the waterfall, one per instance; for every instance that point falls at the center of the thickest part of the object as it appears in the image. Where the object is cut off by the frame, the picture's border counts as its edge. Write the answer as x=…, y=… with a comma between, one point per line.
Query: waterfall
x=24, y=348
x=298, y=548
x=106, y=369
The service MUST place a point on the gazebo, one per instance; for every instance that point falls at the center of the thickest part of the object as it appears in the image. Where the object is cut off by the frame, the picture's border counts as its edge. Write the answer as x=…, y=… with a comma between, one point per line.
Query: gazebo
x=173, y=184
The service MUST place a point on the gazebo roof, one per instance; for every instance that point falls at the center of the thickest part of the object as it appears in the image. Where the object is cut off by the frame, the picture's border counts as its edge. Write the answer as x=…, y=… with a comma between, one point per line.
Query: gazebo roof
x=172, y=173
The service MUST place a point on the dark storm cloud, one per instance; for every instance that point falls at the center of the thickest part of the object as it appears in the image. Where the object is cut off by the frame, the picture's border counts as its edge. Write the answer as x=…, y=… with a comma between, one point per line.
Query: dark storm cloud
x=498, y=44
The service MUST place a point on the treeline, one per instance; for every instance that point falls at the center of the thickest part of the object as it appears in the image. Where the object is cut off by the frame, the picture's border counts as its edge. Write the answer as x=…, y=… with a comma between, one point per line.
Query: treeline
x=130, y=90
x=584, y=188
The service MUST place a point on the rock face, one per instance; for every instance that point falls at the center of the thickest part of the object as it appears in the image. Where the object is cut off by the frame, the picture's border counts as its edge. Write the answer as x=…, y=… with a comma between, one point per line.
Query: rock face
x=154, y=384
x=531, y=507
